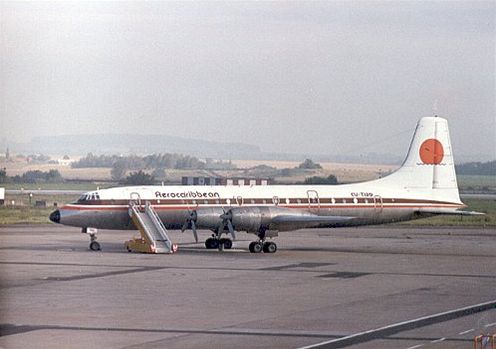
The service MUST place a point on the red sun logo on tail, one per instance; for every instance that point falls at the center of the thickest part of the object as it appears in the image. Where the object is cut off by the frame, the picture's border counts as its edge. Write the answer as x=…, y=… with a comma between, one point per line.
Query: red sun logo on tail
x=431, y=152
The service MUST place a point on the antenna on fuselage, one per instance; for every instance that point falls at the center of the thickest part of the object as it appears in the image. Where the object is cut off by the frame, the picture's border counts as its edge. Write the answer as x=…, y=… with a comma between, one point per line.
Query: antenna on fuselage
x=435, y=108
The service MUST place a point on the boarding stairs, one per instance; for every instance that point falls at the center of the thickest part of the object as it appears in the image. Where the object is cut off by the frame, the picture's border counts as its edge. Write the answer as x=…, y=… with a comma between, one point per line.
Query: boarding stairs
x=154, y=238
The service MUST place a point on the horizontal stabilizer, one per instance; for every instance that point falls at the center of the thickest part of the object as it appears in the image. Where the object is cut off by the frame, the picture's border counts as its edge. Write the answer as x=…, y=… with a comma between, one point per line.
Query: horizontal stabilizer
x=449, y=211
x=310, y=219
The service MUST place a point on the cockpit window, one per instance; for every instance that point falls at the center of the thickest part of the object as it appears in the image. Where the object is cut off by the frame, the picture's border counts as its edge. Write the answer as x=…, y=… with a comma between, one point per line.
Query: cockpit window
x=89, y=197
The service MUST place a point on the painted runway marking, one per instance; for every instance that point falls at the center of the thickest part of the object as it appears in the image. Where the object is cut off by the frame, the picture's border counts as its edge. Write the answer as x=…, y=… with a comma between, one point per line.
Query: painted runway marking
x=438, y=340
x=467, y=331
x=415, y=346
x=388, y=330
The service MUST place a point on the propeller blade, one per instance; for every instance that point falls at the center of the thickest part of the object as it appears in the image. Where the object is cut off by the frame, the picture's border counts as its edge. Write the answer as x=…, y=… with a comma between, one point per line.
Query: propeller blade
x=231, y=229
x=193, y=228
x=185, y=225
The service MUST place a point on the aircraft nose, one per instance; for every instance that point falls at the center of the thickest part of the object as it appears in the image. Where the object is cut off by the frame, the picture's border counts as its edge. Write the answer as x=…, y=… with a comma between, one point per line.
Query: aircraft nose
x=55, y=216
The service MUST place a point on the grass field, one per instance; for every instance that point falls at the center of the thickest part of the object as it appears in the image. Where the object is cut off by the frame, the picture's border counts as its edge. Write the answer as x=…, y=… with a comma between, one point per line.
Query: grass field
x=24, y=212
x=91, y=178
x=466, y=183
x=86, y=186
x=485, y=184
x=486, y=206
x=24, y=215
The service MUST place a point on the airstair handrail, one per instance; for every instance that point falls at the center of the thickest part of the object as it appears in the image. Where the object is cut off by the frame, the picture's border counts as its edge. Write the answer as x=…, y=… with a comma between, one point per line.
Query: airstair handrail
x=155, y=219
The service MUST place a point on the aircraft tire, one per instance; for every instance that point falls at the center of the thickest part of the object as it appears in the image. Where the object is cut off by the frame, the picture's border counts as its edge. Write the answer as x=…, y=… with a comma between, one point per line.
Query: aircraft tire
x=215, y=243
x=227, y=243
x=95, y=246
x=211, y=243
x=255, y=247
x=269, y=247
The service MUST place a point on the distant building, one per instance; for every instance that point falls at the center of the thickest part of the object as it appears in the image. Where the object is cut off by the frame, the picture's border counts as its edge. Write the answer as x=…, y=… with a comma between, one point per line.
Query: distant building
x=64, y=161
x=245, y=181
x=224, y=181
x=201, y=181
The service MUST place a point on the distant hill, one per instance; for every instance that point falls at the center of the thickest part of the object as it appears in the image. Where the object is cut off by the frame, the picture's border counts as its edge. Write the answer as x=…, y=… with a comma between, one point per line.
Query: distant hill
x=133, y=144
x=127, y=144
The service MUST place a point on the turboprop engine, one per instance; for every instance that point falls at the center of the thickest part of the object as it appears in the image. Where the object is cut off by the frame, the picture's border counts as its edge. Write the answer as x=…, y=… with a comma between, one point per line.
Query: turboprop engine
x=256, y=219
x=209, y=217
x=205, y=218
x=249, y=219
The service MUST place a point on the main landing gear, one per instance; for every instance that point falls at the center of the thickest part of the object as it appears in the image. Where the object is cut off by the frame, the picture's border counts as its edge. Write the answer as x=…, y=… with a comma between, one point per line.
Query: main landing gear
x=262, y=245
x=94, y=245
x=215, y=243
x=259, y=246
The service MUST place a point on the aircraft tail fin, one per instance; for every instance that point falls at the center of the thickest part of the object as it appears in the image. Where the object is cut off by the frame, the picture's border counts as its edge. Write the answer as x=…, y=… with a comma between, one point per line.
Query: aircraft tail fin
x=429, y=166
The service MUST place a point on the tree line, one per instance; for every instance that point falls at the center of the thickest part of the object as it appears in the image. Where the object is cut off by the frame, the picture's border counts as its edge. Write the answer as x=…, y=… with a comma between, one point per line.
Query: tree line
x=36, y=176
x=135, y=162
x=477, y=168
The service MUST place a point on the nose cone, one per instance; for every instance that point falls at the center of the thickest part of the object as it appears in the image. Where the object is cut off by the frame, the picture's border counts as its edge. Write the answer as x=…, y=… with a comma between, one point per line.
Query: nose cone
x=55, y=216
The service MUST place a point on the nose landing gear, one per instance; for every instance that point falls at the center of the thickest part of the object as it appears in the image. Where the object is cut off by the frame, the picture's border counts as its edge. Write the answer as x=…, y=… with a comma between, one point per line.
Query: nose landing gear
x=94, y=245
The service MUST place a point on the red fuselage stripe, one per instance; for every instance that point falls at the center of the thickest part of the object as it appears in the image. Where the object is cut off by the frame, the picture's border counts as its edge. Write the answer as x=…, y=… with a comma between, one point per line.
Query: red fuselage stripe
x=303, y=206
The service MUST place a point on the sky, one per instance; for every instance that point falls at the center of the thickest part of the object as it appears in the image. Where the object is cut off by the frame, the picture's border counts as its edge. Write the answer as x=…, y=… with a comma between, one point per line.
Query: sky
x=298, y=77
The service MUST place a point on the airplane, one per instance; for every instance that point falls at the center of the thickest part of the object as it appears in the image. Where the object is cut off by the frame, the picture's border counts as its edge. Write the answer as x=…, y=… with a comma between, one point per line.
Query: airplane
x=425, y=185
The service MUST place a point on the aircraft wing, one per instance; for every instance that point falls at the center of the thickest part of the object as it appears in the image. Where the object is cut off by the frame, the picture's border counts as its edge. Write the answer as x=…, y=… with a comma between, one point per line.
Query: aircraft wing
x=449, y=211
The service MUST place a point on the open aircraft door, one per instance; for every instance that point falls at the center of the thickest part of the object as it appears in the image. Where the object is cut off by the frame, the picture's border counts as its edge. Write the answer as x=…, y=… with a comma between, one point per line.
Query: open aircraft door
x=313, y=201
x=136, y=198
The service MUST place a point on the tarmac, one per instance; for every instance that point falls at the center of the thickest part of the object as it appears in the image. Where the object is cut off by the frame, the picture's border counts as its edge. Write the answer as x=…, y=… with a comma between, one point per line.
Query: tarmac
x=375, y=287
